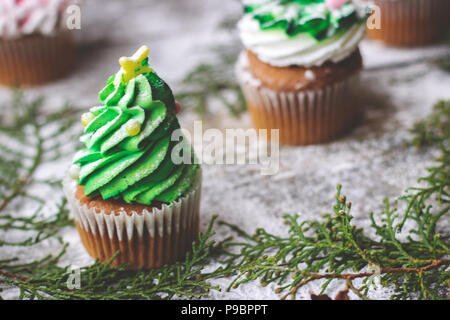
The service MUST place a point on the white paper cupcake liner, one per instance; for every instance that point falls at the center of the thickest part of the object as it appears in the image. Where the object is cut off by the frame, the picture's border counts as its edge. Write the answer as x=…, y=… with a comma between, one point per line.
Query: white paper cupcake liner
x=148, y=239
x=304, y=116
x=411, y=22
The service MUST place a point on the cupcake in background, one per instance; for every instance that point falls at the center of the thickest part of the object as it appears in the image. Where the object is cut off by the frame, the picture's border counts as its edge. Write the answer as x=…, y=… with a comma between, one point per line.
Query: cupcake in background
x=299, y=65
x=35, y=45
x=125, y=188
x=410, y=22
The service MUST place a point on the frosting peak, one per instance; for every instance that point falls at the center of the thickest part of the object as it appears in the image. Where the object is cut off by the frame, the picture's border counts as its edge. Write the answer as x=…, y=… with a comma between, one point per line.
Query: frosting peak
x=127, y=146
x=135, y=65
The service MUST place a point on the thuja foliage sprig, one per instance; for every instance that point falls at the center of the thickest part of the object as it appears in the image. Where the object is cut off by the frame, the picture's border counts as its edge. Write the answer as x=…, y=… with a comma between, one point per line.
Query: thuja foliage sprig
x=42, y=228
x=101, y=281
x=215, y=80
x=28, y=137
x=443, y=63
x=435, y=131
x=416, y=266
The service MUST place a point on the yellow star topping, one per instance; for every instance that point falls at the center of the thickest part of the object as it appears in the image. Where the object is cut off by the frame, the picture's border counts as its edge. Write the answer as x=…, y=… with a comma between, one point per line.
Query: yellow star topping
x=133, y=66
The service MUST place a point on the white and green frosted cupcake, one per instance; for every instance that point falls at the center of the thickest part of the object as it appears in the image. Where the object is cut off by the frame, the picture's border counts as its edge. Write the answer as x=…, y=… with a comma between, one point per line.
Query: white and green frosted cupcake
x=300, y=66
x=126, y=192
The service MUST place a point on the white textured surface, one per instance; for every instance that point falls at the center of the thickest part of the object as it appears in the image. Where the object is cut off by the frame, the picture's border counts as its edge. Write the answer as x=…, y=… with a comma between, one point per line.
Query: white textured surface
x=370, y=163
x=278, y=49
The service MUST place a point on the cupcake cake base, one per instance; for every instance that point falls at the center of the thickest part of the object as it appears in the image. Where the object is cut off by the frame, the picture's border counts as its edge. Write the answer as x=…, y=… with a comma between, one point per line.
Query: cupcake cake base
x=146, y=236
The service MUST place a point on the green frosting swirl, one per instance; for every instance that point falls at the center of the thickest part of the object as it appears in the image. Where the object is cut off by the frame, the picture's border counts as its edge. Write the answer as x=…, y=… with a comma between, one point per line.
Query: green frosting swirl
x=304, y=16
x=139, y=168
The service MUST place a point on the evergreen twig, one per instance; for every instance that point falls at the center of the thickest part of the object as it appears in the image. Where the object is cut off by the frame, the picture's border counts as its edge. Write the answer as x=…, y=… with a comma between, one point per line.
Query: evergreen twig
x=335, y=249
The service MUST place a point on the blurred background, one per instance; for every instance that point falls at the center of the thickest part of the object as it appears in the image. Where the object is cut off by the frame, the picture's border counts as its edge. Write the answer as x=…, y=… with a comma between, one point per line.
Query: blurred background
x=178, y=33
x=183, y=34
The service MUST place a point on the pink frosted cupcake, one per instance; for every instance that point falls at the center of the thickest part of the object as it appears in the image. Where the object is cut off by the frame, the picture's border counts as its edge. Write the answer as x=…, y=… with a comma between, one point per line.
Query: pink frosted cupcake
x=35, y=45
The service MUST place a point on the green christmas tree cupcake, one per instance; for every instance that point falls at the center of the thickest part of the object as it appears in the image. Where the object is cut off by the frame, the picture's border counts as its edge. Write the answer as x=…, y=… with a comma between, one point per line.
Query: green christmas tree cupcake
x=127, y=188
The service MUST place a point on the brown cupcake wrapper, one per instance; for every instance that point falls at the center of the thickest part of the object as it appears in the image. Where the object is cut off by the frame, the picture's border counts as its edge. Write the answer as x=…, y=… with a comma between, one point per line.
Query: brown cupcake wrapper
x=36, y=59
x=148, y=239
x=411, y=22
x=302, y=117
